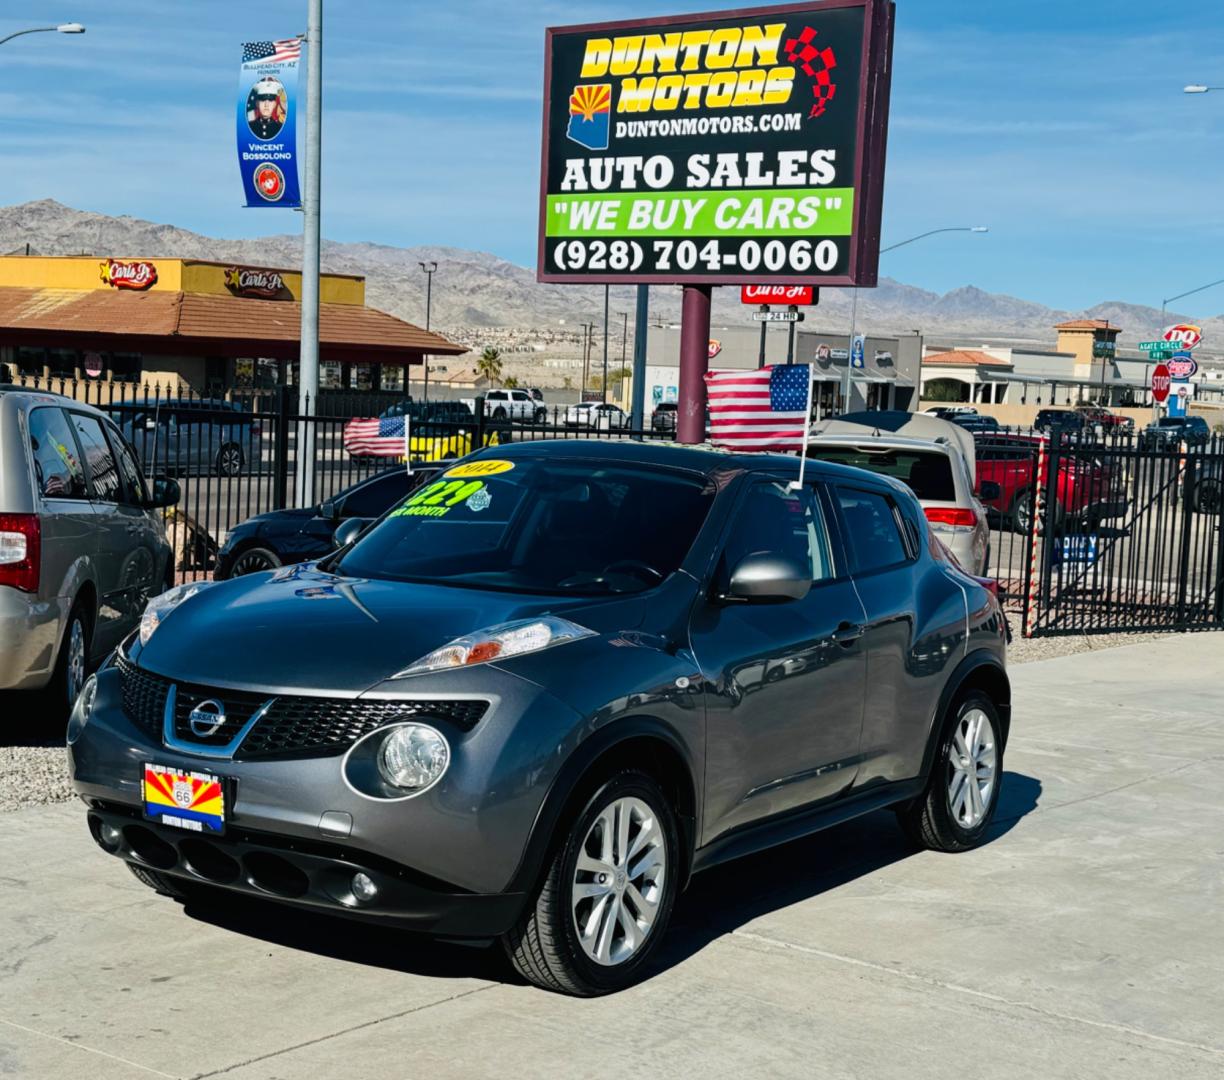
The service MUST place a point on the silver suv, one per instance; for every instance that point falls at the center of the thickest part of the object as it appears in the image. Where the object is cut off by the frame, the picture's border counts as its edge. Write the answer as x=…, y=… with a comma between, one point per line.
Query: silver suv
x=82, y=546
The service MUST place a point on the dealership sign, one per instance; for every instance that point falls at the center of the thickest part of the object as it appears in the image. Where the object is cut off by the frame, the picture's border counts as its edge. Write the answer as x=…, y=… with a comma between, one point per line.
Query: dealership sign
x=267, y=284
x=1184, y=336
x=777, y=294
x=726, y=148
x=1161, y=381
x=119, y=274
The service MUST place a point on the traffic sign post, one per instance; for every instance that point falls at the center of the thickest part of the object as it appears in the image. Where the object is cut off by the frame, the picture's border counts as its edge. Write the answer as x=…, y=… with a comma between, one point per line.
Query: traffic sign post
x=1161, y=381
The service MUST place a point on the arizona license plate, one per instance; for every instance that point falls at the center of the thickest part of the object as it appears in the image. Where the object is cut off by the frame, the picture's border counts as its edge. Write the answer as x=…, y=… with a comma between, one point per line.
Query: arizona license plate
x=186, y=800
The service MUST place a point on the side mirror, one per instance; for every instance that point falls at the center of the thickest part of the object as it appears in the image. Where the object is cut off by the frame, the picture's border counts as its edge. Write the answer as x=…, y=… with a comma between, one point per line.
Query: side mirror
x=764, y=577
x=166, y=492
x=349, y=530
x=989, y=491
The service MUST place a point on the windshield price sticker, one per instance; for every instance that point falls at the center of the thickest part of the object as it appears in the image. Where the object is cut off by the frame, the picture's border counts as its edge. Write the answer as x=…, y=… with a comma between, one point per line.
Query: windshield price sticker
x=727, y=147
x=439, y=498
x=484, y=467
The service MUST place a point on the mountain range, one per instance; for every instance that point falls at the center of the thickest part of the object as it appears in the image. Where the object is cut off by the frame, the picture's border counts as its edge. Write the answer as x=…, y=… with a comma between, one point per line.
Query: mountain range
x=474, y=289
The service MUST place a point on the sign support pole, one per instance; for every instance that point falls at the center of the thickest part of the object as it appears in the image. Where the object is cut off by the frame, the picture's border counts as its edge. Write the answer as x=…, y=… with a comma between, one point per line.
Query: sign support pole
x=790, y=339
x=694, y=363
x=761, y=354
x=641, y=316
x=308, y=364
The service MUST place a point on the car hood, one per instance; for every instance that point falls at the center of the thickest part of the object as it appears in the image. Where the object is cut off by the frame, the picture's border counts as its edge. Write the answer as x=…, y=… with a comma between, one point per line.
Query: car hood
x=302, y=629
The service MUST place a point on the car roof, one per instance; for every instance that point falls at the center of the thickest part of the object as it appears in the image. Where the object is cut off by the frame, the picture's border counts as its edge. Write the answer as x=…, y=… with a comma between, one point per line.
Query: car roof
x=702, y=458
x=47, y=397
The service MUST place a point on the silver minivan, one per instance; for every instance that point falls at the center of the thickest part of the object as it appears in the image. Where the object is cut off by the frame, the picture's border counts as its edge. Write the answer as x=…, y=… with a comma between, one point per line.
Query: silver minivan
x=82, y=544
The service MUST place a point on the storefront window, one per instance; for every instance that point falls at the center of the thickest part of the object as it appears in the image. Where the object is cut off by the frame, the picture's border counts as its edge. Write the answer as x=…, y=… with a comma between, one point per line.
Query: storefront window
x=363, y=377
x=329, y=375
x=392, y=377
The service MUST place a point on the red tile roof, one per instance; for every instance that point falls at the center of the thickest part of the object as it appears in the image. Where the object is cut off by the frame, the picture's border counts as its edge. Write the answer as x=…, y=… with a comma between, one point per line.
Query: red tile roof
x=1089, y=324
x=240, y=322
x=964, y=358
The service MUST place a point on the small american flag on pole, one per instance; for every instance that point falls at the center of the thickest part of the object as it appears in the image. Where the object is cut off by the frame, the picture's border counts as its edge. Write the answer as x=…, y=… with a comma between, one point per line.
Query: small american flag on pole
x=385, y=436
x=273, y=52
x=759, y=410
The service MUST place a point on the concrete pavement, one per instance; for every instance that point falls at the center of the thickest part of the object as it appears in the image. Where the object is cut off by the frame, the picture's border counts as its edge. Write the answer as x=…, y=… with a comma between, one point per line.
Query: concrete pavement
x=1083, y=941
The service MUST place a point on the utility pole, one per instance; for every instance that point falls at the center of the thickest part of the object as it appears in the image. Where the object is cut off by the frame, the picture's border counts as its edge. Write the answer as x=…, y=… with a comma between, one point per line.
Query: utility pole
x=641, y=321
x=308, y=363
x=604, y=392
x=430, y=269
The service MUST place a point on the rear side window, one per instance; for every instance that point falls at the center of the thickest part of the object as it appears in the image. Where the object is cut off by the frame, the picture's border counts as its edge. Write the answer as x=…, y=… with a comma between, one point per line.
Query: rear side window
x=133, y=490
x=927, y=475
x=57, y=466
x=99, y=461
x=873, y=534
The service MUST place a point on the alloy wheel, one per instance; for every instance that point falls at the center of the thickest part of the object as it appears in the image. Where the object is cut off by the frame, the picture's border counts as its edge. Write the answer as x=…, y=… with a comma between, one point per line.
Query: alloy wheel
x=230, y=462
x=971, y=768
x=76, y=660
x=252, y=562
x=618, y=881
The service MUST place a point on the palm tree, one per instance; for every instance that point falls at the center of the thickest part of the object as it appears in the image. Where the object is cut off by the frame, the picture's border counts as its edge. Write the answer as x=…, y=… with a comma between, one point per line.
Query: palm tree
x=510, y=382
x=489, y=364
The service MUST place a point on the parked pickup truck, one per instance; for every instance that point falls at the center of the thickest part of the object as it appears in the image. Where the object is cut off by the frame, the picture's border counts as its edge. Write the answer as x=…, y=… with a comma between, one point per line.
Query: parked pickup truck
x=511, y=405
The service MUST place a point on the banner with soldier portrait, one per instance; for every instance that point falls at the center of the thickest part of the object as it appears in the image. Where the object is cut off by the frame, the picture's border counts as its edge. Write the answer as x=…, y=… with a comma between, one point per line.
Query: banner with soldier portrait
x=267, y=122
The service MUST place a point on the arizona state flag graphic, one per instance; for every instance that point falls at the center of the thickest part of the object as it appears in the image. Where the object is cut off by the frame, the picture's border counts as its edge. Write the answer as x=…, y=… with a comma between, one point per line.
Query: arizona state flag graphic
x=590, y=116
x=189, y=800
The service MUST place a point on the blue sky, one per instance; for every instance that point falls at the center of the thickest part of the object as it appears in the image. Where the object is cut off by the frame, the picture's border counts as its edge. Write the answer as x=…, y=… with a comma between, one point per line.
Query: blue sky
x=1059, y=124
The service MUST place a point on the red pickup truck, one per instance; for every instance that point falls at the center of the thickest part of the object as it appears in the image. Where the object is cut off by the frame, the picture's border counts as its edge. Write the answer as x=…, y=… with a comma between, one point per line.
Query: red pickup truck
x=1099, y=416
x=1087, y=489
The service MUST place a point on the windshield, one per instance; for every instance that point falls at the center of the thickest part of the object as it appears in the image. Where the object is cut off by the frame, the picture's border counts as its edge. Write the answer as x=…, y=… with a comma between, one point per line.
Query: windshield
x=528, y=526
x=929, y=476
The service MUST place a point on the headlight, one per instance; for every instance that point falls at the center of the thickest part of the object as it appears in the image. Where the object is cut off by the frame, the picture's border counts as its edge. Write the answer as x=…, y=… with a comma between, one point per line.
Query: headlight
x=413, y=757
x=160, y=606
x=499, y=643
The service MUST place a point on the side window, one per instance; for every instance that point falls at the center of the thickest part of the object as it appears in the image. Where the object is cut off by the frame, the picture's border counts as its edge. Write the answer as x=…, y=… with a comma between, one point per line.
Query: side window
x=57, y=465
x=378, y=495
x=133, y=491
x=873, y=536
x=99, y=461
x=782, y=522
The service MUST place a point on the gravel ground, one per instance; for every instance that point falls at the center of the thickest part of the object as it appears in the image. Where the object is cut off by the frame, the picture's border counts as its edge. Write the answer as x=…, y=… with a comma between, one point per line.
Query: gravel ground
x=36, y=773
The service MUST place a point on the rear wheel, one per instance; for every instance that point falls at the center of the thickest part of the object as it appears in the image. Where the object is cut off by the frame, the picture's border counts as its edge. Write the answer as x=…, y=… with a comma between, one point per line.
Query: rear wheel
x=1022, y=514
x=963, y=790
x=72, y=664
x=1207, y=497
x=499, y=413
x=606, y=899
x=229, y=460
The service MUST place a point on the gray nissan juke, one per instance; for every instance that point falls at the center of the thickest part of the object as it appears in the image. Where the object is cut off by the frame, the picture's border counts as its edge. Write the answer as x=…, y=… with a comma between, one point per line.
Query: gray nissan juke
x=544, y=690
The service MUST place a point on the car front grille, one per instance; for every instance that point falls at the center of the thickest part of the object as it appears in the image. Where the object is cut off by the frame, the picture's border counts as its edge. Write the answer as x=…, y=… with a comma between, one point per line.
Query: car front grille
x=290, y=726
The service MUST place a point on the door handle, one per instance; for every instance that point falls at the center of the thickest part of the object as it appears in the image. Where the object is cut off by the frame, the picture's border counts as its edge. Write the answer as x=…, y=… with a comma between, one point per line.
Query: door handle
x=848, y=633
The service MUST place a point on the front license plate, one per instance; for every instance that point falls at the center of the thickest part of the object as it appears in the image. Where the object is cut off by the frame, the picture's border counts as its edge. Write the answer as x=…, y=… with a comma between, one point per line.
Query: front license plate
x=186, y=800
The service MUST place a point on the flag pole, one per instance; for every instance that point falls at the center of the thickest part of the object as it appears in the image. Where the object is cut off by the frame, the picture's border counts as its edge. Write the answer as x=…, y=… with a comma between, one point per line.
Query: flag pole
x=797, y=485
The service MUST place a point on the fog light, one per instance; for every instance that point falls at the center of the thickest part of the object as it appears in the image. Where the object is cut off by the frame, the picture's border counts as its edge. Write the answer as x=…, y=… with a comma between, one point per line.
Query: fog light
x=363, y=887
x=111, y=836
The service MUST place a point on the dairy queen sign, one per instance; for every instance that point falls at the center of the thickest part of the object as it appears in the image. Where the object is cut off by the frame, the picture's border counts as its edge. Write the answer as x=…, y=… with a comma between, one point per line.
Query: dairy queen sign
x=267, y=284
x=128, y=275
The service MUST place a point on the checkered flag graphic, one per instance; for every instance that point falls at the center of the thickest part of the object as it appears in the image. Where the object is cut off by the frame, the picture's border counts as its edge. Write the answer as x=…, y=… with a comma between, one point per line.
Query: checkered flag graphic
x=818, y=63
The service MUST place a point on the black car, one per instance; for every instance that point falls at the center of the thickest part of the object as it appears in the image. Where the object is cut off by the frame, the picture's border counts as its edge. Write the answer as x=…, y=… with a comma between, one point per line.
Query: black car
x=281, y=537
x=664, y=416
x=516, y=708
x=1169, y=431
x=979, y=425
x=1061, y=420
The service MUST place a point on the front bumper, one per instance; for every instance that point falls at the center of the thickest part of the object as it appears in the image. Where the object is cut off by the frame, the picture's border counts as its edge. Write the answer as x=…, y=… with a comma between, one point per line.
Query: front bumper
x=449, y=860
x=303, y=874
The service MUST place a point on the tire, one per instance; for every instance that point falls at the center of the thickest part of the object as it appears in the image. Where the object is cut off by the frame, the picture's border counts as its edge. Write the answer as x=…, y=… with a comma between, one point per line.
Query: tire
x=947, y=817
x=252, y=560
x=546, y=948
x=72, y=664
x=1021, y=509
x=541, y=416
x=1207, y=497
x=499, y=413
x=229, y=460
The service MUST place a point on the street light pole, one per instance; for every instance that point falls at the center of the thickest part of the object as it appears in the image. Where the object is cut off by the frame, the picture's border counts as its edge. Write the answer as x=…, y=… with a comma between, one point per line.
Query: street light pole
x=308, y=362
x=1202, y=288
x=63, y=28
x=854, y=306
x=430, y=269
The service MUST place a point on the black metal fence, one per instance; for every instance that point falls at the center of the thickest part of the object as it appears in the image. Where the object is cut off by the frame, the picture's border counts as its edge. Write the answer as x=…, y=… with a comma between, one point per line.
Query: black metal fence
x=1090, y=531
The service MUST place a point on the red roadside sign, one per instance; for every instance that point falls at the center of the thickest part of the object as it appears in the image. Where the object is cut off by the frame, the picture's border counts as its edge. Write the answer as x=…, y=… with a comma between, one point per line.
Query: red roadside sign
x=1161, y=380
x=775, y=294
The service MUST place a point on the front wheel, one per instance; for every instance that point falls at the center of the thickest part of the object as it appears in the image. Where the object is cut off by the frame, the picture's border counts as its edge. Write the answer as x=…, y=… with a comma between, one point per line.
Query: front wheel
x=607, y=896
x=963, y=791
x=229, y=460
x=1207, y=497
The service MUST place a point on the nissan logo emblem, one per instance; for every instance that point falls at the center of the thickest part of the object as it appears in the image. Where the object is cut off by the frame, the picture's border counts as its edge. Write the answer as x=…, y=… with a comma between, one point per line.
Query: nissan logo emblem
x=206, y=718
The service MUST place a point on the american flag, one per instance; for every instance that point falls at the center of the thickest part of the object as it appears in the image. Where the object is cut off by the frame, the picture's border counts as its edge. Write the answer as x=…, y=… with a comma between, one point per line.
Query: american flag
x=759, y=410
x=383, y=437
x=271, y=51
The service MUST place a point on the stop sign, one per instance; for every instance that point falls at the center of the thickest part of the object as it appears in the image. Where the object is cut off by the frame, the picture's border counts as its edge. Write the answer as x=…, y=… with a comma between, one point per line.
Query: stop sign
x=1160, y=382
